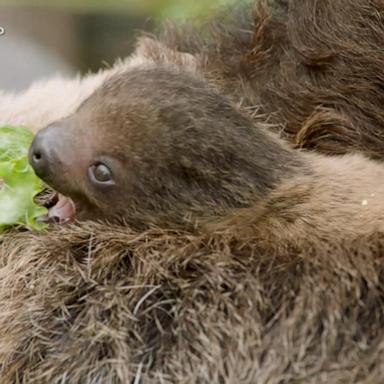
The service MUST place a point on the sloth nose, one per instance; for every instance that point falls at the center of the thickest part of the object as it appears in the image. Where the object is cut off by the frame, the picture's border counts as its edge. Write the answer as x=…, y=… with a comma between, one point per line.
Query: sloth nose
x=41, y=152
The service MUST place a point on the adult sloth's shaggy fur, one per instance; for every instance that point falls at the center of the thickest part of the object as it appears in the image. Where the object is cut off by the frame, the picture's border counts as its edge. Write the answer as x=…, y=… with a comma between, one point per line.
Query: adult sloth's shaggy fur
x=313, y=66
x=90, y=305
x=247, y=302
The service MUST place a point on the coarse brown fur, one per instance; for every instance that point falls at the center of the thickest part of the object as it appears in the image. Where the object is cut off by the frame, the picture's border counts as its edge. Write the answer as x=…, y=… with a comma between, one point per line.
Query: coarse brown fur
x=289, y=290
x=314, y=67
x=90, y=304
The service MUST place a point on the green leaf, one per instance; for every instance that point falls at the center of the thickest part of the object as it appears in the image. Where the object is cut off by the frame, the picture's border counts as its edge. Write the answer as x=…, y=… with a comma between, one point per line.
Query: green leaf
x=18, y=182
x=185, y=9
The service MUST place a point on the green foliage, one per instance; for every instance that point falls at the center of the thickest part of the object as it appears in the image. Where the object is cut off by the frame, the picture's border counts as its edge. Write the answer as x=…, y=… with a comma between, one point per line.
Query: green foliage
x=177, y=9
x=182, y=9
x=18, y=182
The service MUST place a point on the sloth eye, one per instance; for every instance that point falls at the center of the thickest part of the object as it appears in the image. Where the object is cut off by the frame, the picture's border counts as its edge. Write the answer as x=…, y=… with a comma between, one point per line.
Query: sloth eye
x=101, y=174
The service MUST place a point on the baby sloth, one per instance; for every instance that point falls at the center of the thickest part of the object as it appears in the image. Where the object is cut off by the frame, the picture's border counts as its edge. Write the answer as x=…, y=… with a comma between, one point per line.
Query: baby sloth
x=159, y=146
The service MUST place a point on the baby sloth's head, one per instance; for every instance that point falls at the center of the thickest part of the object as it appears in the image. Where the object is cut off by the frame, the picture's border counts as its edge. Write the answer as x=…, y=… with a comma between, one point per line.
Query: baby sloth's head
x=157, y=146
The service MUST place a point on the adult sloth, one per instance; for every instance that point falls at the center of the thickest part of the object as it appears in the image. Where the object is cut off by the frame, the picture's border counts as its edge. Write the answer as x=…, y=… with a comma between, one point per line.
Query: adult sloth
x=315, y=67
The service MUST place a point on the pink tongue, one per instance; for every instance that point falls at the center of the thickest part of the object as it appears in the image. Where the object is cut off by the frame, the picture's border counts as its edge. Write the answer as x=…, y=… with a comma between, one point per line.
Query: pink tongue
x=63, y=211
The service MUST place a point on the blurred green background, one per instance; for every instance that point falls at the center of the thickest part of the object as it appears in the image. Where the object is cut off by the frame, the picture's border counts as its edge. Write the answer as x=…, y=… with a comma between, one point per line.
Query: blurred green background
x=157, y=8
x=47, y=37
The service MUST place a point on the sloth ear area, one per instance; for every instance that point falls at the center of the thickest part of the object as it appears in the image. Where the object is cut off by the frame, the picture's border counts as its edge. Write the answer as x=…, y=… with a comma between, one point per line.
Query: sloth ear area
x=149, y=48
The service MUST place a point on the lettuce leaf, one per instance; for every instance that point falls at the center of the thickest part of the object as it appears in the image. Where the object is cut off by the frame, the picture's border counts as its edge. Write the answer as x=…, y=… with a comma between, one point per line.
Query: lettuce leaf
x=18, y=182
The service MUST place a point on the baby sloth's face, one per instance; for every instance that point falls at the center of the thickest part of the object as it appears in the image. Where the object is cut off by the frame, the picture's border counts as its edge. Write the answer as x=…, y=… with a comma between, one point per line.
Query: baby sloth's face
x=155, y=146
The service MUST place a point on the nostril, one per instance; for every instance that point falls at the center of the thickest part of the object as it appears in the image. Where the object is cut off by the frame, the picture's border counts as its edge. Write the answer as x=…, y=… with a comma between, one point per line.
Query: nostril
x=38, y=160
x=36, y=156
x=42, y=154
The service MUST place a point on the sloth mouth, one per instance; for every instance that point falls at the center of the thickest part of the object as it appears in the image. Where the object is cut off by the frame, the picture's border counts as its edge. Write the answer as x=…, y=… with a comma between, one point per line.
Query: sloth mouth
x=61, y=209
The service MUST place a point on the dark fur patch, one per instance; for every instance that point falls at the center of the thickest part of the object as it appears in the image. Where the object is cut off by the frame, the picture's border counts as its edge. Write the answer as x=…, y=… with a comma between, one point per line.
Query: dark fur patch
x=297, y=60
